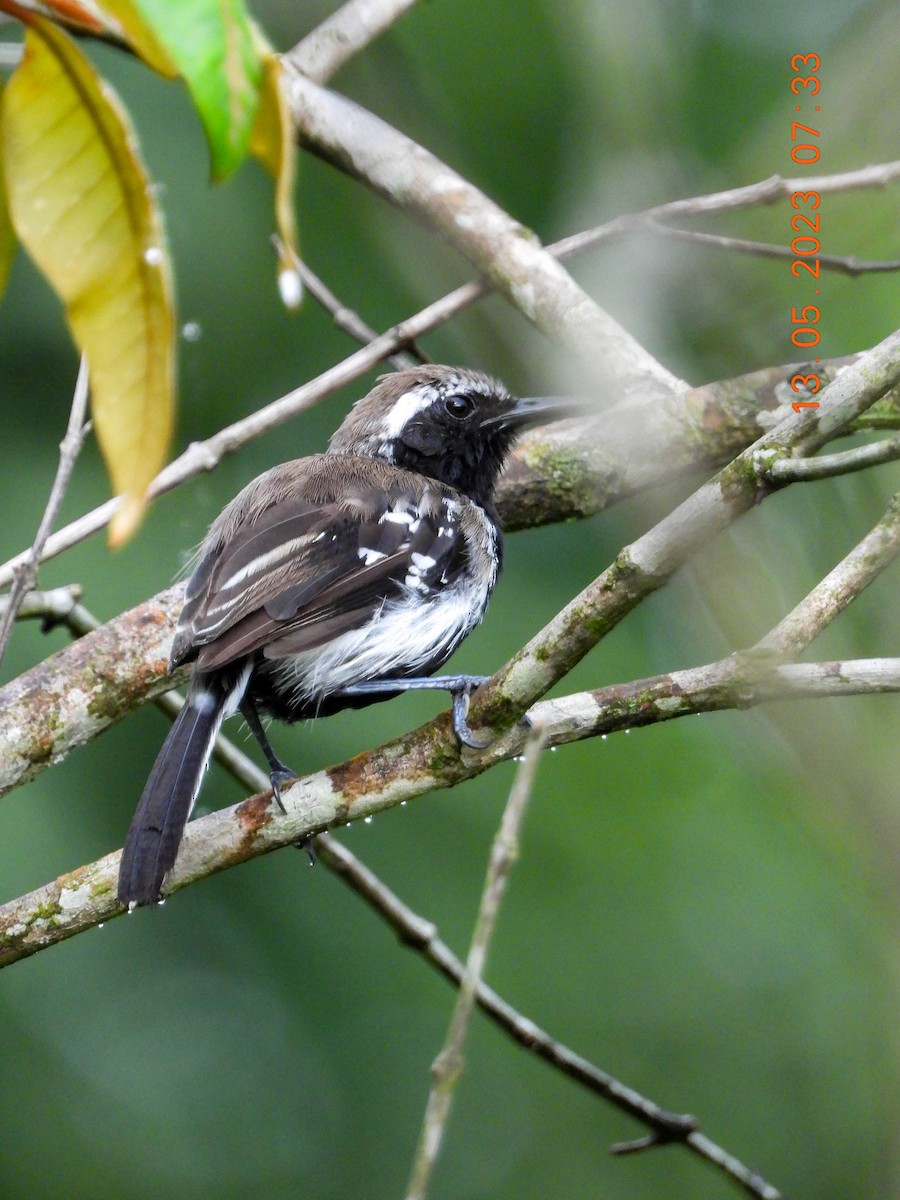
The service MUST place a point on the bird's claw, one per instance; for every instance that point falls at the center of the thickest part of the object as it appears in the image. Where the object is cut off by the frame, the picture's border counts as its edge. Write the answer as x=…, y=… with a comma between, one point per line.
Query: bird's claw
x=461, y=728
x=278, y=777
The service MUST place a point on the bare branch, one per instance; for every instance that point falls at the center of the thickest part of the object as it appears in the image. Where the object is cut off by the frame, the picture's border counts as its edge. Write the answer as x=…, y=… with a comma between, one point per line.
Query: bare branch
x=347, y=320
x=846, y=264
x=26, y=575
x=799, y=470
x=59, y=606
x=830, y=596
x=766, y=191
x=501, y=249
x=343, y=35
x=422, y=936
x=448, y=1066
x=650, y=562
x=415, y=764
x=81, y=690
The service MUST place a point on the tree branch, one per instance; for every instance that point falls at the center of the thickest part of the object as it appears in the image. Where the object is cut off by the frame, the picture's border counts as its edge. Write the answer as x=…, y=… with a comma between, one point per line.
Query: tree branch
x=346, y=319
x=79, y=691
x=448, y=1066
x=422, y=937
x=59, y=606
x=501, y=249
x=415, y=764
x=342, y=36
x=648, y=563
x=846, y=264
x=753, y=195
x=797, y=470
x=831, y=595
x=26, y=574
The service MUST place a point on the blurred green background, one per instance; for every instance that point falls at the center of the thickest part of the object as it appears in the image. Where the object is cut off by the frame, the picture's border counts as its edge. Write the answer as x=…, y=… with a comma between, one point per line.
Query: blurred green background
x=708, y=909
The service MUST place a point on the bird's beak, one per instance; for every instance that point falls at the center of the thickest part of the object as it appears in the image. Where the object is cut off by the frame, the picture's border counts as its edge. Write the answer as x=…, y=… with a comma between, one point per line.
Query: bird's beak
x=538, y=410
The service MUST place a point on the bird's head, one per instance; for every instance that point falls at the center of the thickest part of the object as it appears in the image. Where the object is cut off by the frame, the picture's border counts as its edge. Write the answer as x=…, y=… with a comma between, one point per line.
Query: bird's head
x=449, y=423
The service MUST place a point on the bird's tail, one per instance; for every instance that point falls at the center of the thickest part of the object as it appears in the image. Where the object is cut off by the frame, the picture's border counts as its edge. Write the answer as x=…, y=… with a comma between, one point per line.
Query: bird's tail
x=168, y=797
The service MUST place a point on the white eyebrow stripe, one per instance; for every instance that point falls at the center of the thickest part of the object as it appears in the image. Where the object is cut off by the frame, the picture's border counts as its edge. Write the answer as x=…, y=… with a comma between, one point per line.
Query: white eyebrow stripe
x=405, y=408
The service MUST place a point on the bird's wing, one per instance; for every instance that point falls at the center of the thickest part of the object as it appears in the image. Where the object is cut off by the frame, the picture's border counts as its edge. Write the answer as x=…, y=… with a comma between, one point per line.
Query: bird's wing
x=303, y=573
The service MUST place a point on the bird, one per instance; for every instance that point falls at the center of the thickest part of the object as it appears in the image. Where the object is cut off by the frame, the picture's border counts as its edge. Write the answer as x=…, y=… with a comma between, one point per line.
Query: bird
x=337, y=580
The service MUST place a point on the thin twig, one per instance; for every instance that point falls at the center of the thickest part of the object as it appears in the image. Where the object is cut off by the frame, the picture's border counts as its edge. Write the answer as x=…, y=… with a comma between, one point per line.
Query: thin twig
x=499, y=247
x=648, y=563
x=877, y=550
x=799, y=470
x=422, y=936
x=846, y=264
x=765, y=191
x=26, y=575
x=342, y=35
x=349, y=321
x=447, y=1068
x=59, y=606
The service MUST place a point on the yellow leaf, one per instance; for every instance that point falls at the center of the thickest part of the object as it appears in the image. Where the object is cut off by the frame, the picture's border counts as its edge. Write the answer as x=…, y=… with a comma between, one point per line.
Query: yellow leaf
x=81, y=204
x=272, y=142
x=139, y=36
x=7, y=236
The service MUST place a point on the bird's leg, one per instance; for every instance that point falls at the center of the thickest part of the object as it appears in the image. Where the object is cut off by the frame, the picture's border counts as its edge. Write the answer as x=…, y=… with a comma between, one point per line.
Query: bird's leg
x=460, y=688
x=278, y=772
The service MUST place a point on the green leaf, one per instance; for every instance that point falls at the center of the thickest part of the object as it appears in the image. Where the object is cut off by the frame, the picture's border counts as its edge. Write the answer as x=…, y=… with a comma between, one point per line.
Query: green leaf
x=81, y=204
x=211, y=44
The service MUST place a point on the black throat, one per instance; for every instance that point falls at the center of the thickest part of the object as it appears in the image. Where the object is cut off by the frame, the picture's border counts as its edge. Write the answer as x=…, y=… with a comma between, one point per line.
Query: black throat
x=471, y=466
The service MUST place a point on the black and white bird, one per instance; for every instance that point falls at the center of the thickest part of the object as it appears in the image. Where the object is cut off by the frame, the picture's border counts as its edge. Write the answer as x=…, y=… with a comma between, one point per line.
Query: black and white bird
x=337, y=580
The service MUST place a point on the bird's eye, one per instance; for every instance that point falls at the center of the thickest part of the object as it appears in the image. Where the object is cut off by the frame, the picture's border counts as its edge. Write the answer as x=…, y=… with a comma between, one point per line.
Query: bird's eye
x=458, y=407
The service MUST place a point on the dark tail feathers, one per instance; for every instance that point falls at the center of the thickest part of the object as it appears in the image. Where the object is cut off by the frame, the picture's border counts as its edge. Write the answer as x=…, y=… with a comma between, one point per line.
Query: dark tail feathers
x=168, y=797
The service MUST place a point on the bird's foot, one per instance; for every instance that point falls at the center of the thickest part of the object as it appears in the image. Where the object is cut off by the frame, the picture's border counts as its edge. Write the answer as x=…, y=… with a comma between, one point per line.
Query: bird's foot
x=278, y=777
x=461, y=696
x=460, y=688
